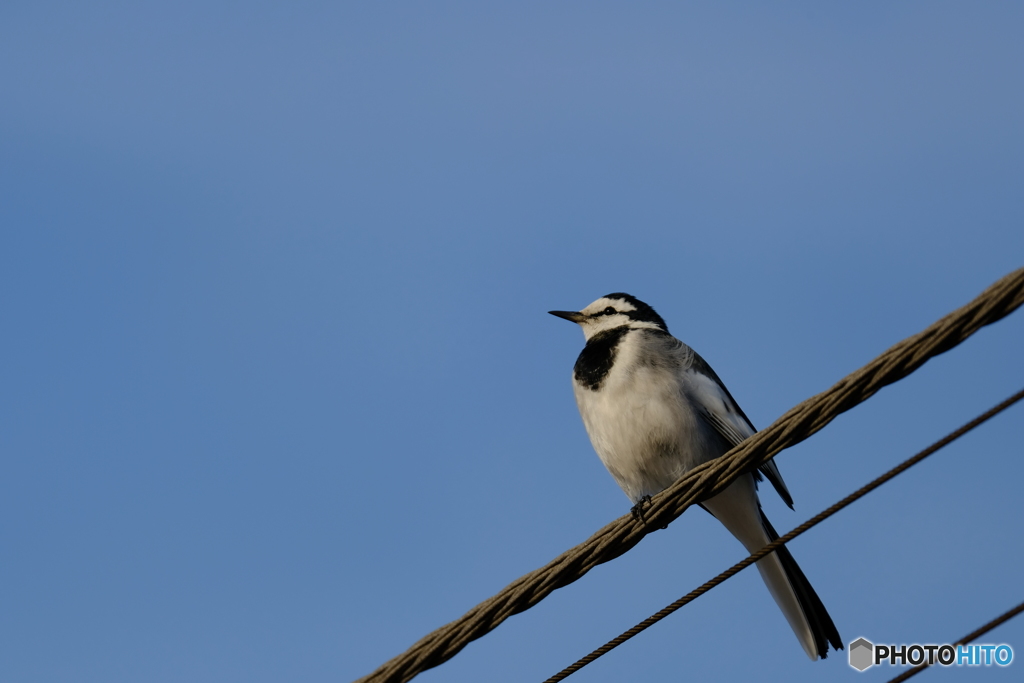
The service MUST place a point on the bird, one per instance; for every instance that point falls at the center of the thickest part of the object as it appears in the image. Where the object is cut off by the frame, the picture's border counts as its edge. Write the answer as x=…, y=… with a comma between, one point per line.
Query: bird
x=654, y=409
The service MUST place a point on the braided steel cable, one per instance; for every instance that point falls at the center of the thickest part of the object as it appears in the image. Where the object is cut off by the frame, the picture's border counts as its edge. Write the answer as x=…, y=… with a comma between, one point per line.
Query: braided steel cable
x=821, y=516
x=618, y=537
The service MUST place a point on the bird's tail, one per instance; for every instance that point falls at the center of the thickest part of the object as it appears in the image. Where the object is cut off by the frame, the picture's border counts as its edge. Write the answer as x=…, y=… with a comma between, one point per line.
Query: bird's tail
x=796, y=597
x=738, y=509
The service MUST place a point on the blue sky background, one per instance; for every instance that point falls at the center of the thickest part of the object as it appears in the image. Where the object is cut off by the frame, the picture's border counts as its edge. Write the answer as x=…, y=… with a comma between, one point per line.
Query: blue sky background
x=279, y=393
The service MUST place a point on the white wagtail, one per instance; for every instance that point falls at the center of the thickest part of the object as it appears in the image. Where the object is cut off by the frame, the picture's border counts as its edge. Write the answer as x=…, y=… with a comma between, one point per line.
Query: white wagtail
x=654, y=409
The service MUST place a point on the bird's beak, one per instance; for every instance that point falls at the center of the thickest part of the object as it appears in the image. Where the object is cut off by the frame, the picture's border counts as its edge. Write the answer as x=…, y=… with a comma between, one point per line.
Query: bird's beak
x=572, y=316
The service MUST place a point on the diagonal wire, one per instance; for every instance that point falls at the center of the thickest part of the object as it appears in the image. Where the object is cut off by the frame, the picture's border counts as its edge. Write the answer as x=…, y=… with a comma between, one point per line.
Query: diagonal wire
x=1001, y=619
x=823, y=515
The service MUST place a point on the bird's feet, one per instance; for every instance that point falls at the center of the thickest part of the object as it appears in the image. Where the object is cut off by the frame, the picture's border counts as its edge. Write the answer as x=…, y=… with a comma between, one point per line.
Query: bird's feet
x=638, y=510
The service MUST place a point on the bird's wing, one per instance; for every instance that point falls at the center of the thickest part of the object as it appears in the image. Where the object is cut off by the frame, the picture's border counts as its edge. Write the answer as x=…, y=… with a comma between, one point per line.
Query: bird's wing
x=717, y=406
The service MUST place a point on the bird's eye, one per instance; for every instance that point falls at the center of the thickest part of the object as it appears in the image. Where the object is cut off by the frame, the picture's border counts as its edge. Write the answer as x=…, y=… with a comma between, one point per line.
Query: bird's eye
x=610, y=311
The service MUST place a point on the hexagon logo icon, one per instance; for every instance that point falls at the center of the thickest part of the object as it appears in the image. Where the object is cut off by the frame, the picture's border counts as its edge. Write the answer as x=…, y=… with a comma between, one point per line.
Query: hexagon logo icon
x=862, y=654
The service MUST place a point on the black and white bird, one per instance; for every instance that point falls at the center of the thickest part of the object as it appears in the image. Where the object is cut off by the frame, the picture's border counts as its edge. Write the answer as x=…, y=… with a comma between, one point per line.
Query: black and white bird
x=654, y=409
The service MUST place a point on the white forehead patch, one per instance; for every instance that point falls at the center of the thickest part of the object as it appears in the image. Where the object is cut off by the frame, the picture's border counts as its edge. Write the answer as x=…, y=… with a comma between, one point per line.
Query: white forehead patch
x=604, y=302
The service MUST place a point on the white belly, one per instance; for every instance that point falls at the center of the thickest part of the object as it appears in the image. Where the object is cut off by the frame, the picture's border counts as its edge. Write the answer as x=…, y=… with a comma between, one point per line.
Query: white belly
x=644, y=430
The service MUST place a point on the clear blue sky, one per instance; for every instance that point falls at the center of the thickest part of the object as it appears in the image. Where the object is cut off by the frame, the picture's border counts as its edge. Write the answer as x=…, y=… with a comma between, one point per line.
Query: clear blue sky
x=279, y=393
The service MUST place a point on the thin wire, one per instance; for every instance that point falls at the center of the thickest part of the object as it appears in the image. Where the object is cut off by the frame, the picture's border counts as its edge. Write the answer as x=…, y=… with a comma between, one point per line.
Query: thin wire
x=825, y=514
x=1002, y=619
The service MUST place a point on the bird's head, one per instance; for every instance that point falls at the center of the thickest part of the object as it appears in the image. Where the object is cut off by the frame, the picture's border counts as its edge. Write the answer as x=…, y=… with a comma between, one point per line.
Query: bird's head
x=612, y=311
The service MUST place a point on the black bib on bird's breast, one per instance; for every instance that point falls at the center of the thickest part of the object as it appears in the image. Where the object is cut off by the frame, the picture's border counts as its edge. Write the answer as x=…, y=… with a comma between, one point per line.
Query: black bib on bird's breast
x=596, y=358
